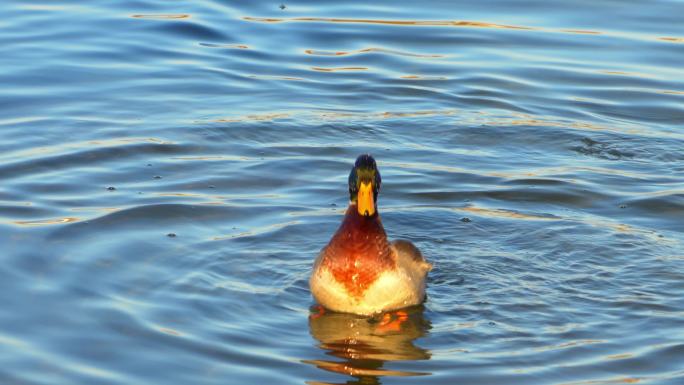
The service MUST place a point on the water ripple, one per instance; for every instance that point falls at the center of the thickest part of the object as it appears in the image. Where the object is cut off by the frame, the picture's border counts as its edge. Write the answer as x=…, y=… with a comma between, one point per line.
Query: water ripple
x=169, y=172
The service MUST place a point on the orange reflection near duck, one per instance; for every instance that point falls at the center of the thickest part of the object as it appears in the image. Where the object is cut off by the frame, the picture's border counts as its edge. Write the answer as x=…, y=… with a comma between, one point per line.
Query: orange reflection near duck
x=362, y=345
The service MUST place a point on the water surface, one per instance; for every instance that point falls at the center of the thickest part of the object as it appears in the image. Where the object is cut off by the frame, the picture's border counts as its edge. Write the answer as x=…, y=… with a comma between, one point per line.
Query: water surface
x=171, y=169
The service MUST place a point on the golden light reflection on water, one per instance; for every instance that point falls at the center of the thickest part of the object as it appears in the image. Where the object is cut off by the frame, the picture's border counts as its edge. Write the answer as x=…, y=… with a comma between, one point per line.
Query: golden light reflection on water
x=439, y=23
x=384, y=115
x=169, y=331
x=670, y=92
x=520, y=119
x=252, y=118
x=672, y=39
x=344, y=368
x=569, y=344
x=529, y=120
x=218, y=199
x=363, y=346
x=163, y=16
x=463, y=24
x=581, y=32
x=234, y=46
x=21, y=120
x=622, y=228
x=419, y=77
x=620, y=356
x=368, y=50
x=329, y=115
x=45, y=222
x=177, y=194
x=214, y=157
x=97, y=209
x=44, y=7
x=625, y=73
x=479, y=118
x=610, y=381
x=500, y=213
x=338, y=69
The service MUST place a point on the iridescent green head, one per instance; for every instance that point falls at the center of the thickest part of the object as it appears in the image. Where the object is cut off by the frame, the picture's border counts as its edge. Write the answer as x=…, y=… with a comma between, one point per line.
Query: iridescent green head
x=364, y=185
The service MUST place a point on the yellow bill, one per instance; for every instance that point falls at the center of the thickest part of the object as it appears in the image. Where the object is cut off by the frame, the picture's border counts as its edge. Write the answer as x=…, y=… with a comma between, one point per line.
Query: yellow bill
x=365, y=203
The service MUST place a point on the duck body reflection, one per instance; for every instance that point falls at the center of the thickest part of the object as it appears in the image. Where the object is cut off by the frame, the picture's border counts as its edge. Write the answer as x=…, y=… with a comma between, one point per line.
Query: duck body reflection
x=362, y=345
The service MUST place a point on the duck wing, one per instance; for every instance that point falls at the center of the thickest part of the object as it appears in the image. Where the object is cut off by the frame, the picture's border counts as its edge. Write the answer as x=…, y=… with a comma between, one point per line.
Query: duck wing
x=408, y=252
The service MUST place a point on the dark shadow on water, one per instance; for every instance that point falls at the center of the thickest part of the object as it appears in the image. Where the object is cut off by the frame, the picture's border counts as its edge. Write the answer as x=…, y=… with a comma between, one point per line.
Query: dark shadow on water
x=361, y=346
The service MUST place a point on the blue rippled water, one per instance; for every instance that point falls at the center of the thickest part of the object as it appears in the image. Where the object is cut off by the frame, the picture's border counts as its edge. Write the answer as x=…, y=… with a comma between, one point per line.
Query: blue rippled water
x=170, y=169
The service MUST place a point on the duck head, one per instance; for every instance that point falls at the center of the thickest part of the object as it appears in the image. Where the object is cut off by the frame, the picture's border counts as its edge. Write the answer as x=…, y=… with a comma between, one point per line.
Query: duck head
x=364, y=185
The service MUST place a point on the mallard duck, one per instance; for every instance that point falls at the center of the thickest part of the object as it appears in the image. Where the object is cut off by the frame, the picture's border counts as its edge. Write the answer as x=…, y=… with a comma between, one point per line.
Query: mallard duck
x=360, y=271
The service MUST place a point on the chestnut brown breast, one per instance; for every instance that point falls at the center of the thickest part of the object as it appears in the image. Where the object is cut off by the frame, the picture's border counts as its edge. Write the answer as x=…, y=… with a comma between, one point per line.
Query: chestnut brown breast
x=358, y=252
